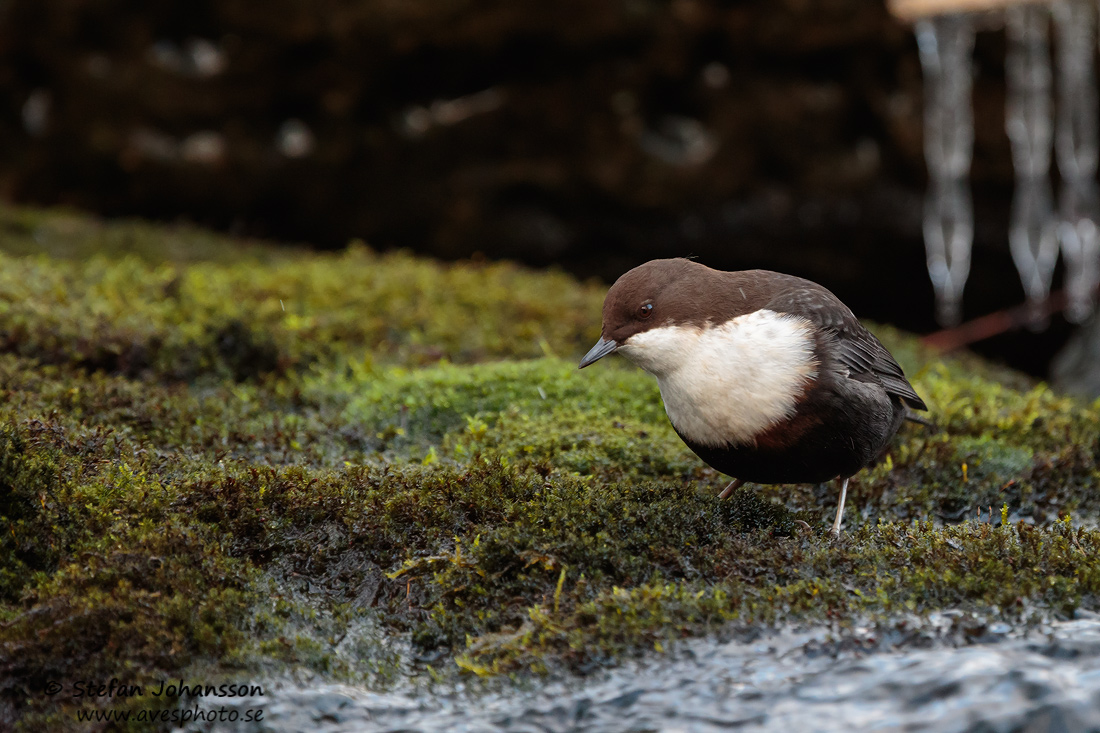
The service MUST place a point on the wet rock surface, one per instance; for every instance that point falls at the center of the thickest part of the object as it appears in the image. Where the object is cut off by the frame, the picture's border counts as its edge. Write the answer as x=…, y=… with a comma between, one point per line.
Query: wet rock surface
x=1048, y=680
x=510, y=129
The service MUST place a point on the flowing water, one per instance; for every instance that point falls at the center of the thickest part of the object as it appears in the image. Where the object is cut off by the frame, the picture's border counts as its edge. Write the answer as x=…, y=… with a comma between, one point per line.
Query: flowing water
x=1045, y=680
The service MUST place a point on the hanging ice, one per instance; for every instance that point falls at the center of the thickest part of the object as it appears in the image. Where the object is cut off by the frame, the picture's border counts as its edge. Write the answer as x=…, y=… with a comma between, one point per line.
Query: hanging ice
x=945, y=43
x=1032, y=233
x=1076, y=146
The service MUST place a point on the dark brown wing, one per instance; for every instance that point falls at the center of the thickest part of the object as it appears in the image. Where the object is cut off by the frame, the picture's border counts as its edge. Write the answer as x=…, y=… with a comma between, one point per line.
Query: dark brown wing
x=858, y=349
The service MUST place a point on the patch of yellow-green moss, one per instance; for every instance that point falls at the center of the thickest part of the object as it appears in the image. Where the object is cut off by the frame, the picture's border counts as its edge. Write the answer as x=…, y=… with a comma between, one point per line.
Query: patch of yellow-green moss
x=148, y=307
x=197, y=476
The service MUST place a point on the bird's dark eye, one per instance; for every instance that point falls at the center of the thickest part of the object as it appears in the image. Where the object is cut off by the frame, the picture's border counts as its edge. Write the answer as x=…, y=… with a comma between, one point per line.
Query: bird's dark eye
x=645, y=310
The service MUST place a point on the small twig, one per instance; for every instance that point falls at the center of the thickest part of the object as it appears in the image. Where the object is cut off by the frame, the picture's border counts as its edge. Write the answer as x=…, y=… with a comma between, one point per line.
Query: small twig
x=995, y=324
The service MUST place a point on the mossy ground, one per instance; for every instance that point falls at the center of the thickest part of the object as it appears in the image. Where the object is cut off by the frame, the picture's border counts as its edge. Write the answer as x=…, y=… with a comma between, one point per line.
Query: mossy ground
x=234, y=458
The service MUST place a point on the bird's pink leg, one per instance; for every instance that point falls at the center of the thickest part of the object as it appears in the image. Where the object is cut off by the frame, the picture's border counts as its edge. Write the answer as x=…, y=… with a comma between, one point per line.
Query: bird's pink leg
x=734, y=486
x=835, y=531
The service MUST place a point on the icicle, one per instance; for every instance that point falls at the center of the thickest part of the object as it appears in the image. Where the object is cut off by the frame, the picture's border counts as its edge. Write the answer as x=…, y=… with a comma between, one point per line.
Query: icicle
x=1077, y=148
x=945, y=44
x=1032, y=233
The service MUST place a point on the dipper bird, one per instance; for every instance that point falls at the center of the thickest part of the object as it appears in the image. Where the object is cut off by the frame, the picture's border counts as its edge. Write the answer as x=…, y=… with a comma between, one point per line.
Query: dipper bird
x=767, y=377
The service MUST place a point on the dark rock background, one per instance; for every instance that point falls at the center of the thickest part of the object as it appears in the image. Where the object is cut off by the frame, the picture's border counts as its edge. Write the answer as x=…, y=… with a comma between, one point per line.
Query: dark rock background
x=594, y=134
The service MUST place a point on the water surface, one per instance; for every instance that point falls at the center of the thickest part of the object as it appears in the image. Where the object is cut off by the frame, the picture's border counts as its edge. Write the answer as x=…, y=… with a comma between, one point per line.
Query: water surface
x=808, y=680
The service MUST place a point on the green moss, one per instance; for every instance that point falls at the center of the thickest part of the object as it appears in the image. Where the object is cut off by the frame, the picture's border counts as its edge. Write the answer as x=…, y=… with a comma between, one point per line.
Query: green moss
x=193, y=478
x=155, y=307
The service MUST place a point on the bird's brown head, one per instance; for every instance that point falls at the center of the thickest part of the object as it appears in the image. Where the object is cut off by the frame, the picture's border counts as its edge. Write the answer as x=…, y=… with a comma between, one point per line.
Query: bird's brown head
x=658, y=293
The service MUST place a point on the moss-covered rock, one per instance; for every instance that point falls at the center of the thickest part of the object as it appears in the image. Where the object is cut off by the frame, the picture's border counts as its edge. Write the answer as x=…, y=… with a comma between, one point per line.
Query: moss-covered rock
x=193, y=478
x=134, y=300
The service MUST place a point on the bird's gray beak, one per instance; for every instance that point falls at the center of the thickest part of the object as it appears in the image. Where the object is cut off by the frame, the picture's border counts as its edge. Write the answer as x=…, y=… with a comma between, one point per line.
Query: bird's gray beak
x=602, y=348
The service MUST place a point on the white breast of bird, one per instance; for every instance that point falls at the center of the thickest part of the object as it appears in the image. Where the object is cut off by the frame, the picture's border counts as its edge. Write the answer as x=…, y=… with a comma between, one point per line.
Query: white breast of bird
x=726, y=383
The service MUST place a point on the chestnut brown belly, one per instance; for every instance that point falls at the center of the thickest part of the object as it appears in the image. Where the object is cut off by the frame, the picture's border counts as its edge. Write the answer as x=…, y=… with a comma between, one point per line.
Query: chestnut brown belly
x=821, y=453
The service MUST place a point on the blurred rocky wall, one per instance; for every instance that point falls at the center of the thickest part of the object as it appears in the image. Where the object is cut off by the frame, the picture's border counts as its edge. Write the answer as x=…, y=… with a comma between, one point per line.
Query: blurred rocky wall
x=591, y=133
